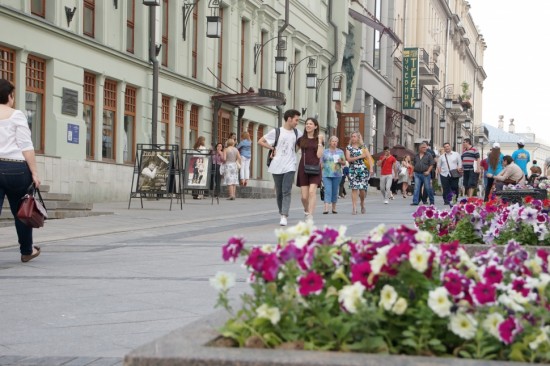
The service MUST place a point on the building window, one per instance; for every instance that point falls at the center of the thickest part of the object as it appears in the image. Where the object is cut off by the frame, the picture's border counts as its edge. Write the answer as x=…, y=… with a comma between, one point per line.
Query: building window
x=130, y=27
x=7, y=64
x=38, y=7
x=165, y=12
x=376, y=52
x=165, y=120
x=88, y=112
x=243, y=53
x=129, y=137
x=220, y=52
x=34, y=99
x=195, y=51
x=180, y=120
x=108, y=142
x=224, y=125
x=194, y=123
x=88, y=19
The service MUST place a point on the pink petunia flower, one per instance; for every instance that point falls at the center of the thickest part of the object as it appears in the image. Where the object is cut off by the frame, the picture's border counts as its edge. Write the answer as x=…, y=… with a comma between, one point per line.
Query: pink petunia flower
x=233, y=248
x=493, y=275
x=508, y=330
x=312, y=283
x=455, y=283
x=484, y=293
x=361, y=273
x=327, y=236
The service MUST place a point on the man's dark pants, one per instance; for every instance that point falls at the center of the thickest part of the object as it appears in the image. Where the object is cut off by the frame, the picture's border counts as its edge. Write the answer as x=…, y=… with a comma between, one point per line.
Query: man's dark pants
x=450, y=188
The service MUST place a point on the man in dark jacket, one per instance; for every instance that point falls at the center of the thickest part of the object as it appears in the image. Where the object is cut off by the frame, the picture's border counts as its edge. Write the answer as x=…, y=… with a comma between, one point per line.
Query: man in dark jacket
x=423, y=164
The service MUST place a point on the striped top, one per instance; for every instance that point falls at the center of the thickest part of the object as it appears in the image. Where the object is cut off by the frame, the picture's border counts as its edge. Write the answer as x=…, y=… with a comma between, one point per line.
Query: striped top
x=468, y=158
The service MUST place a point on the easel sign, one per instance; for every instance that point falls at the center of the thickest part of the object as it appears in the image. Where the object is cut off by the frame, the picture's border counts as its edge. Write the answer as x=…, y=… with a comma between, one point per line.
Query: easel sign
x=197, y=171
x=154, y=171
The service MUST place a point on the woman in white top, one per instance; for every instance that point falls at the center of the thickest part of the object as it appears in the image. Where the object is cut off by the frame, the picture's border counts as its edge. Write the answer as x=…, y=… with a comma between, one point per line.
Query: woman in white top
x=17, y=165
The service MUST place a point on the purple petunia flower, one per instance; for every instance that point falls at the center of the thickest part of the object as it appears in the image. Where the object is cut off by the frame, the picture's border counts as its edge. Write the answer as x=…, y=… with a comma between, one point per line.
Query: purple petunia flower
x=493, y=275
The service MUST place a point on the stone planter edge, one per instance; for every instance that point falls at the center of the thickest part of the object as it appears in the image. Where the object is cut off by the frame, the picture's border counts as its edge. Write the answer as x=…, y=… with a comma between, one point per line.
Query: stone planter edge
x=186, y=346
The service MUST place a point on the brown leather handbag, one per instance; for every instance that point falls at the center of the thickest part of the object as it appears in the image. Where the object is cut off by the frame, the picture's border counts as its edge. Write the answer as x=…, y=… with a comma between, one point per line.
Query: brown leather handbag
x=32, y=211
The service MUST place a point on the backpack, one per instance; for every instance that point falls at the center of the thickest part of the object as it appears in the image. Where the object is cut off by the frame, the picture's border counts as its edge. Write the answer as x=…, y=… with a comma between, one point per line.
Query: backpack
x=277, y=134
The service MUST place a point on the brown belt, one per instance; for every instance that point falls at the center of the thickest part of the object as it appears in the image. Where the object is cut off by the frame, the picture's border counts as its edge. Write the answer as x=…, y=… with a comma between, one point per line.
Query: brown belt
x=12, y=160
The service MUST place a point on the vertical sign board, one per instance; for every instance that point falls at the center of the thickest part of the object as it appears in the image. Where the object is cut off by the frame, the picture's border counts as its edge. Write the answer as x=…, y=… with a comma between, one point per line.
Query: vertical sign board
x=410, y=77
x=72, y=133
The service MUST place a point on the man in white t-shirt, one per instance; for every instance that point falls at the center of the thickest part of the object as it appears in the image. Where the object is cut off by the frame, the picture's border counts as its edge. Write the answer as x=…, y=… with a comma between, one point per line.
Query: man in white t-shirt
x=283, y=165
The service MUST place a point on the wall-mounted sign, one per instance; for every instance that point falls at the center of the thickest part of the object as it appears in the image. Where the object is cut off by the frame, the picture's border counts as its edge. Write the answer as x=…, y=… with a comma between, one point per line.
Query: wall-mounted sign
x=410, y=77
x=69, y=102
x=72, y=133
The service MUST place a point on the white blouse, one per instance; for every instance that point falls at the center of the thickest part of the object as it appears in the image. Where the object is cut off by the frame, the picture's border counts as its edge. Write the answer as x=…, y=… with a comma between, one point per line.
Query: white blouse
x=15, y=136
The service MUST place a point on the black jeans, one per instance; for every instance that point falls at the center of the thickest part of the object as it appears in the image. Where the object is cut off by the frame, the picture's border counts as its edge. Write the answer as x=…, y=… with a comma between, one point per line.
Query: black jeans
x=216, y=180
x=15, y=178
x=490, y=182
x=450, y=188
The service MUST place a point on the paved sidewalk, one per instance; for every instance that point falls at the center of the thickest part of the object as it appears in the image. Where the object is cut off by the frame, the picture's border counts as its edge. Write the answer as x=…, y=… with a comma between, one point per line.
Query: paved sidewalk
x=105, y=285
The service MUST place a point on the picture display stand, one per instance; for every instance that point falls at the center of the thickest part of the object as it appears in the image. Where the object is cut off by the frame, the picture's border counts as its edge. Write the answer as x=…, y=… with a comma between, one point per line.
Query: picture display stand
x=198, y=174
x=157, y=174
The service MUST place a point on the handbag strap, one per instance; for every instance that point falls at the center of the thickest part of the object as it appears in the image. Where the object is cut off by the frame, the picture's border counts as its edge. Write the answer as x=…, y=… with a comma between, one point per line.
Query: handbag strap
x=448, y=163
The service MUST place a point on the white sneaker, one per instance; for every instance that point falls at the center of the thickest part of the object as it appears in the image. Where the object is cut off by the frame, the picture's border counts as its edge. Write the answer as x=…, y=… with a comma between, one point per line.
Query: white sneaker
x=283, y=221
x=309, y=218
x=386, y=202
x=306, y=215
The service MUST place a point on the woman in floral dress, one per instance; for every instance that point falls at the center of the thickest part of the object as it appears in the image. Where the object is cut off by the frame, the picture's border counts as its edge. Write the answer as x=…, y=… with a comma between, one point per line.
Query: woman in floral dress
x=231, y=173
x=359, y=174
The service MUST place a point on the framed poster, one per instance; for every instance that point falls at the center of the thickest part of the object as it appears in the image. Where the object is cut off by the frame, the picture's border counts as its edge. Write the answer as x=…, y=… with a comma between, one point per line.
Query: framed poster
x=197, y=171
x=154, y=171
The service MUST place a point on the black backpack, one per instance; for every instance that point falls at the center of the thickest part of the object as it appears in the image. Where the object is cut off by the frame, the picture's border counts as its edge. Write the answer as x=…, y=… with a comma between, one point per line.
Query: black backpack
x=277, y=134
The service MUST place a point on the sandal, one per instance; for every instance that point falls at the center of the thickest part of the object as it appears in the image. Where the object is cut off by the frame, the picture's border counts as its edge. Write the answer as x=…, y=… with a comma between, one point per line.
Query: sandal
x=27, y=257
x=334, y=212
x=325, y=212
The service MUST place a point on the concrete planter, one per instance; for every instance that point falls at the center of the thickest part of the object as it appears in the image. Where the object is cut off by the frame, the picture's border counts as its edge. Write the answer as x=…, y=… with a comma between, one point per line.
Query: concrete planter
x=187, y=346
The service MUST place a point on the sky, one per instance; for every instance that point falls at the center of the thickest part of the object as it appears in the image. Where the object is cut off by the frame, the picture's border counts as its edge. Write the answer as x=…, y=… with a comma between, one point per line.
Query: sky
x=517, y=68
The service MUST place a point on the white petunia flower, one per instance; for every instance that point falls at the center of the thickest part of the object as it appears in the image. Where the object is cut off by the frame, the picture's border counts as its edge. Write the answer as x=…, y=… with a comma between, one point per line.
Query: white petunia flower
x=351, y=296
x=378, y=232
x=271, y=313
x=439, y=302
x=463, y=325
x=388, y=296
x=379, y=260
x=268, y=248
x=423, y=237
x=541, y=338
x=491, y=323
x=400, y=306
x=419, y=258
x=507, y=301
x=223, y=281
x=534, y=264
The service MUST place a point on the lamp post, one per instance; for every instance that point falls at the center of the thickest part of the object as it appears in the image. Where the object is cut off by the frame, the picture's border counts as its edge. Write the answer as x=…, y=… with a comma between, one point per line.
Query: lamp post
x=282, y=59
x=152, y=4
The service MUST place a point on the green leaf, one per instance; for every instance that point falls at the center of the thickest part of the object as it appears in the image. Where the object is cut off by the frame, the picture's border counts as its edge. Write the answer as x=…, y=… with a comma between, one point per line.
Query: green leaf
x=465, y=354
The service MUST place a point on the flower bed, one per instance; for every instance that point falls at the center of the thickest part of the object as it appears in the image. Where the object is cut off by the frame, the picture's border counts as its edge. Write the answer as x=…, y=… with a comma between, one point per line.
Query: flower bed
x=493, y=222
x=392, y=292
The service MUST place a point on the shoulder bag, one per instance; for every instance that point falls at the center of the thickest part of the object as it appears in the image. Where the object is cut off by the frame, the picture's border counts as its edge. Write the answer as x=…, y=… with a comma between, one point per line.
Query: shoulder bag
x=454, y=172
x=311, y=169
x=32, y=211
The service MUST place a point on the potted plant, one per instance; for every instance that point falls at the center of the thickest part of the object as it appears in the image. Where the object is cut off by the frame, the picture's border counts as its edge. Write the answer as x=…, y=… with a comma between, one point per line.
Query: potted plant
x=466, y=95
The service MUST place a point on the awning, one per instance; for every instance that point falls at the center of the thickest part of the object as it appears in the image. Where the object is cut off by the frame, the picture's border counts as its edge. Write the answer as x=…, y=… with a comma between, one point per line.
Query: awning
x=374, y=23
x=252, y=98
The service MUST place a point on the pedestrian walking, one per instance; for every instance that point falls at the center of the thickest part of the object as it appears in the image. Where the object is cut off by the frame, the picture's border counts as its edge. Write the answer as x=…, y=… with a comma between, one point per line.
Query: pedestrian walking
x=332, y=161
x=448, y=169
x=494, y=167
x=311, y=144
x=345, y=176
x=283, y=165
x=245, y=149
x=470, y=166
x=387, y=164
x=521, y=157
x=17, y=165
x=359, y=174
x=423, y=164
x=405, y=173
